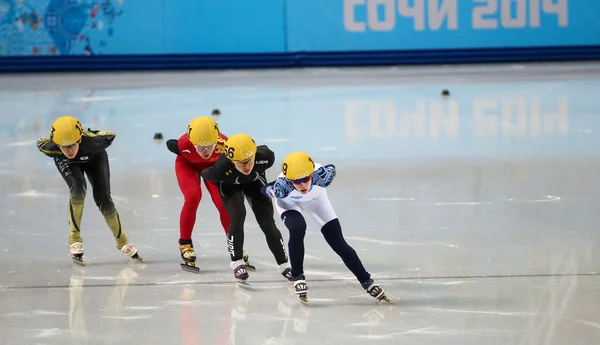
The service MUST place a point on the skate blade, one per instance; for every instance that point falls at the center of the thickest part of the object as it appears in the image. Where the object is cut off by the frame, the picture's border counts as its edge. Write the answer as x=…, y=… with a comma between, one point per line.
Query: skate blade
x=303, y=300
x=250, y=267
x=384, y=298
x=139, y=258
x=189, y=268
x=244, y=284
x=79, y=262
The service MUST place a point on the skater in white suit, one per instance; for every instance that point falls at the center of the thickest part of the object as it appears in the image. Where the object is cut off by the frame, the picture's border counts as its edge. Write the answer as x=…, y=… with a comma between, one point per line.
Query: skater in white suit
x=301, y=188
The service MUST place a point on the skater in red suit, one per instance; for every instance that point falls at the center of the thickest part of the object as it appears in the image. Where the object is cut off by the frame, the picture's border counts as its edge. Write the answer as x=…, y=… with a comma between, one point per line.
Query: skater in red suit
x=197, y=150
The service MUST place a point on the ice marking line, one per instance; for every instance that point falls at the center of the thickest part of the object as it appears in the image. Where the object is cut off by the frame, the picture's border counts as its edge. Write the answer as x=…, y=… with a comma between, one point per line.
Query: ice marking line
x=48, y=333
x=21, y=143
x=35, y=194
x=484, y=312
x=460, y=203
x=143, y=308
x=395, y=243
x=127, y=317
x=197, y=303
x=46, y=312
x=583, y=322
x=328, y=279
x=108, y=278
x=152, y=248
x=549, y=198
x=394, y=335
x=391, y=199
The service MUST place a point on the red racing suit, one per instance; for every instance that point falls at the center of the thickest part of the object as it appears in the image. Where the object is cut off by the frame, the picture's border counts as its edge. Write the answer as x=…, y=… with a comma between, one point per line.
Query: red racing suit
x=188, y=166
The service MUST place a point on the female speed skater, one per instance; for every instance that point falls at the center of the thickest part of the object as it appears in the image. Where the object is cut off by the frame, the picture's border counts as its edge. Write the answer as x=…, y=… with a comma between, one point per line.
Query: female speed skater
x=301, y=188
x=78, y=153
x=196, y=150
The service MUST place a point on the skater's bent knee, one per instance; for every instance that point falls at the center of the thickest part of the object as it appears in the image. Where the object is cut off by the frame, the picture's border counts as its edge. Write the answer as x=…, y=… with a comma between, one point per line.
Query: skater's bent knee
x=192, y=198
x=77, y=192
x=294, y=221
x=106, y=205
x=332, y=231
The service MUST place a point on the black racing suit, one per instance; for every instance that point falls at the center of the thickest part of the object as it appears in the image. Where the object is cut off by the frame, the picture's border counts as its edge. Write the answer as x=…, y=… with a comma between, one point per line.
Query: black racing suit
x=233, y=187
x=91, y=160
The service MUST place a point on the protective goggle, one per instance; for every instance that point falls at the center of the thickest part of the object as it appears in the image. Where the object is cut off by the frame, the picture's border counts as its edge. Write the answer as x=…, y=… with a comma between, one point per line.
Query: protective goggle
x=244, y=163
x=301, y=180
x=205, y=148
x=69, y=147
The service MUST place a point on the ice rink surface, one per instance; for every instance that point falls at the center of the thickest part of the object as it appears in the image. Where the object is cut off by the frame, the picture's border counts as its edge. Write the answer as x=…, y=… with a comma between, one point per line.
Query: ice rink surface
x=478, y=214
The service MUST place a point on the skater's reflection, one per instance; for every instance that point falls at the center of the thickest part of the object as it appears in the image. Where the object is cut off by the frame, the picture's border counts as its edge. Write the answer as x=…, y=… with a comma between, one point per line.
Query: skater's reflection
x=192, y=324
x=112, y=309
x=295, y=313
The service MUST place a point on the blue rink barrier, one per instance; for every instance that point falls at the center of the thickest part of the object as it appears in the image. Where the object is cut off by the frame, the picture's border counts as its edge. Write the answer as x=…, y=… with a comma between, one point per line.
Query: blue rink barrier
x=57, y=35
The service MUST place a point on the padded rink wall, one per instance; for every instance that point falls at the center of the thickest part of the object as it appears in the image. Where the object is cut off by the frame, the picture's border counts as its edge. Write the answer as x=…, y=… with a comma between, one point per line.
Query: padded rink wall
x=55, y=35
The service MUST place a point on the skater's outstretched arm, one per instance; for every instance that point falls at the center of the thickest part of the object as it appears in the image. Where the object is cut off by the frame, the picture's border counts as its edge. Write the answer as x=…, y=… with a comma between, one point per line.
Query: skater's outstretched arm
x=280, y=188
x=222, y=171
x=323, y=176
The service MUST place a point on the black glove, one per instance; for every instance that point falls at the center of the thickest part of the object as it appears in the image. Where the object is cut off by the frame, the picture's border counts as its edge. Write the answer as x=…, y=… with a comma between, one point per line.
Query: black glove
x=173, y=146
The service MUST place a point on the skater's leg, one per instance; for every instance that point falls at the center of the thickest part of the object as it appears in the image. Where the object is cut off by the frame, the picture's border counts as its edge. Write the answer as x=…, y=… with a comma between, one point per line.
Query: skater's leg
x=213, y=190
x=296, y=225
x=73, y=176
x=98, y=172
x=189, y=183
x=262, y=207
x=233, y=200
x=325, y=217
x=332, y=231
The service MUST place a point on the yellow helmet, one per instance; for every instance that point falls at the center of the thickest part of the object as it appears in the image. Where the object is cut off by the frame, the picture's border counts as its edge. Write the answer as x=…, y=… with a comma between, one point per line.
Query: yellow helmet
x=203, y=131
x=66, y=131
x=297, y=165
x=240, y=148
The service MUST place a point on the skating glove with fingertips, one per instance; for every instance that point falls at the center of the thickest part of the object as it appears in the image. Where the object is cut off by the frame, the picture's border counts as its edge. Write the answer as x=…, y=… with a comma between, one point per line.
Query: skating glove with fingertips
x=280, y=188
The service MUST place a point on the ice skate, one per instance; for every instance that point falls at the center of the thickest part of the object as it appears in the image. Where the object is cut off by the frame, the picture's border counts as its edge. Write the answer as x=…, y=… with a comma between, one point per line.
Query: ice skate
x=77, y=253
x=375, y=290
x=287, y=273
x=249, y=267
x=241, y=274
x=301, y=289
x=189, y=258
x=132, y=252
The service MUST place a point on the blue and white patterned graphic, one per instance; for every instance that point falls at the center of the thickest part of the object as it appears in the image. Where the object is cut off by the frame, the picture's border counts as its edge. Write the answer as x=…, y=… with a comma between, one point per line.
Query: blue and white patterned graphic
x=57, y=27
